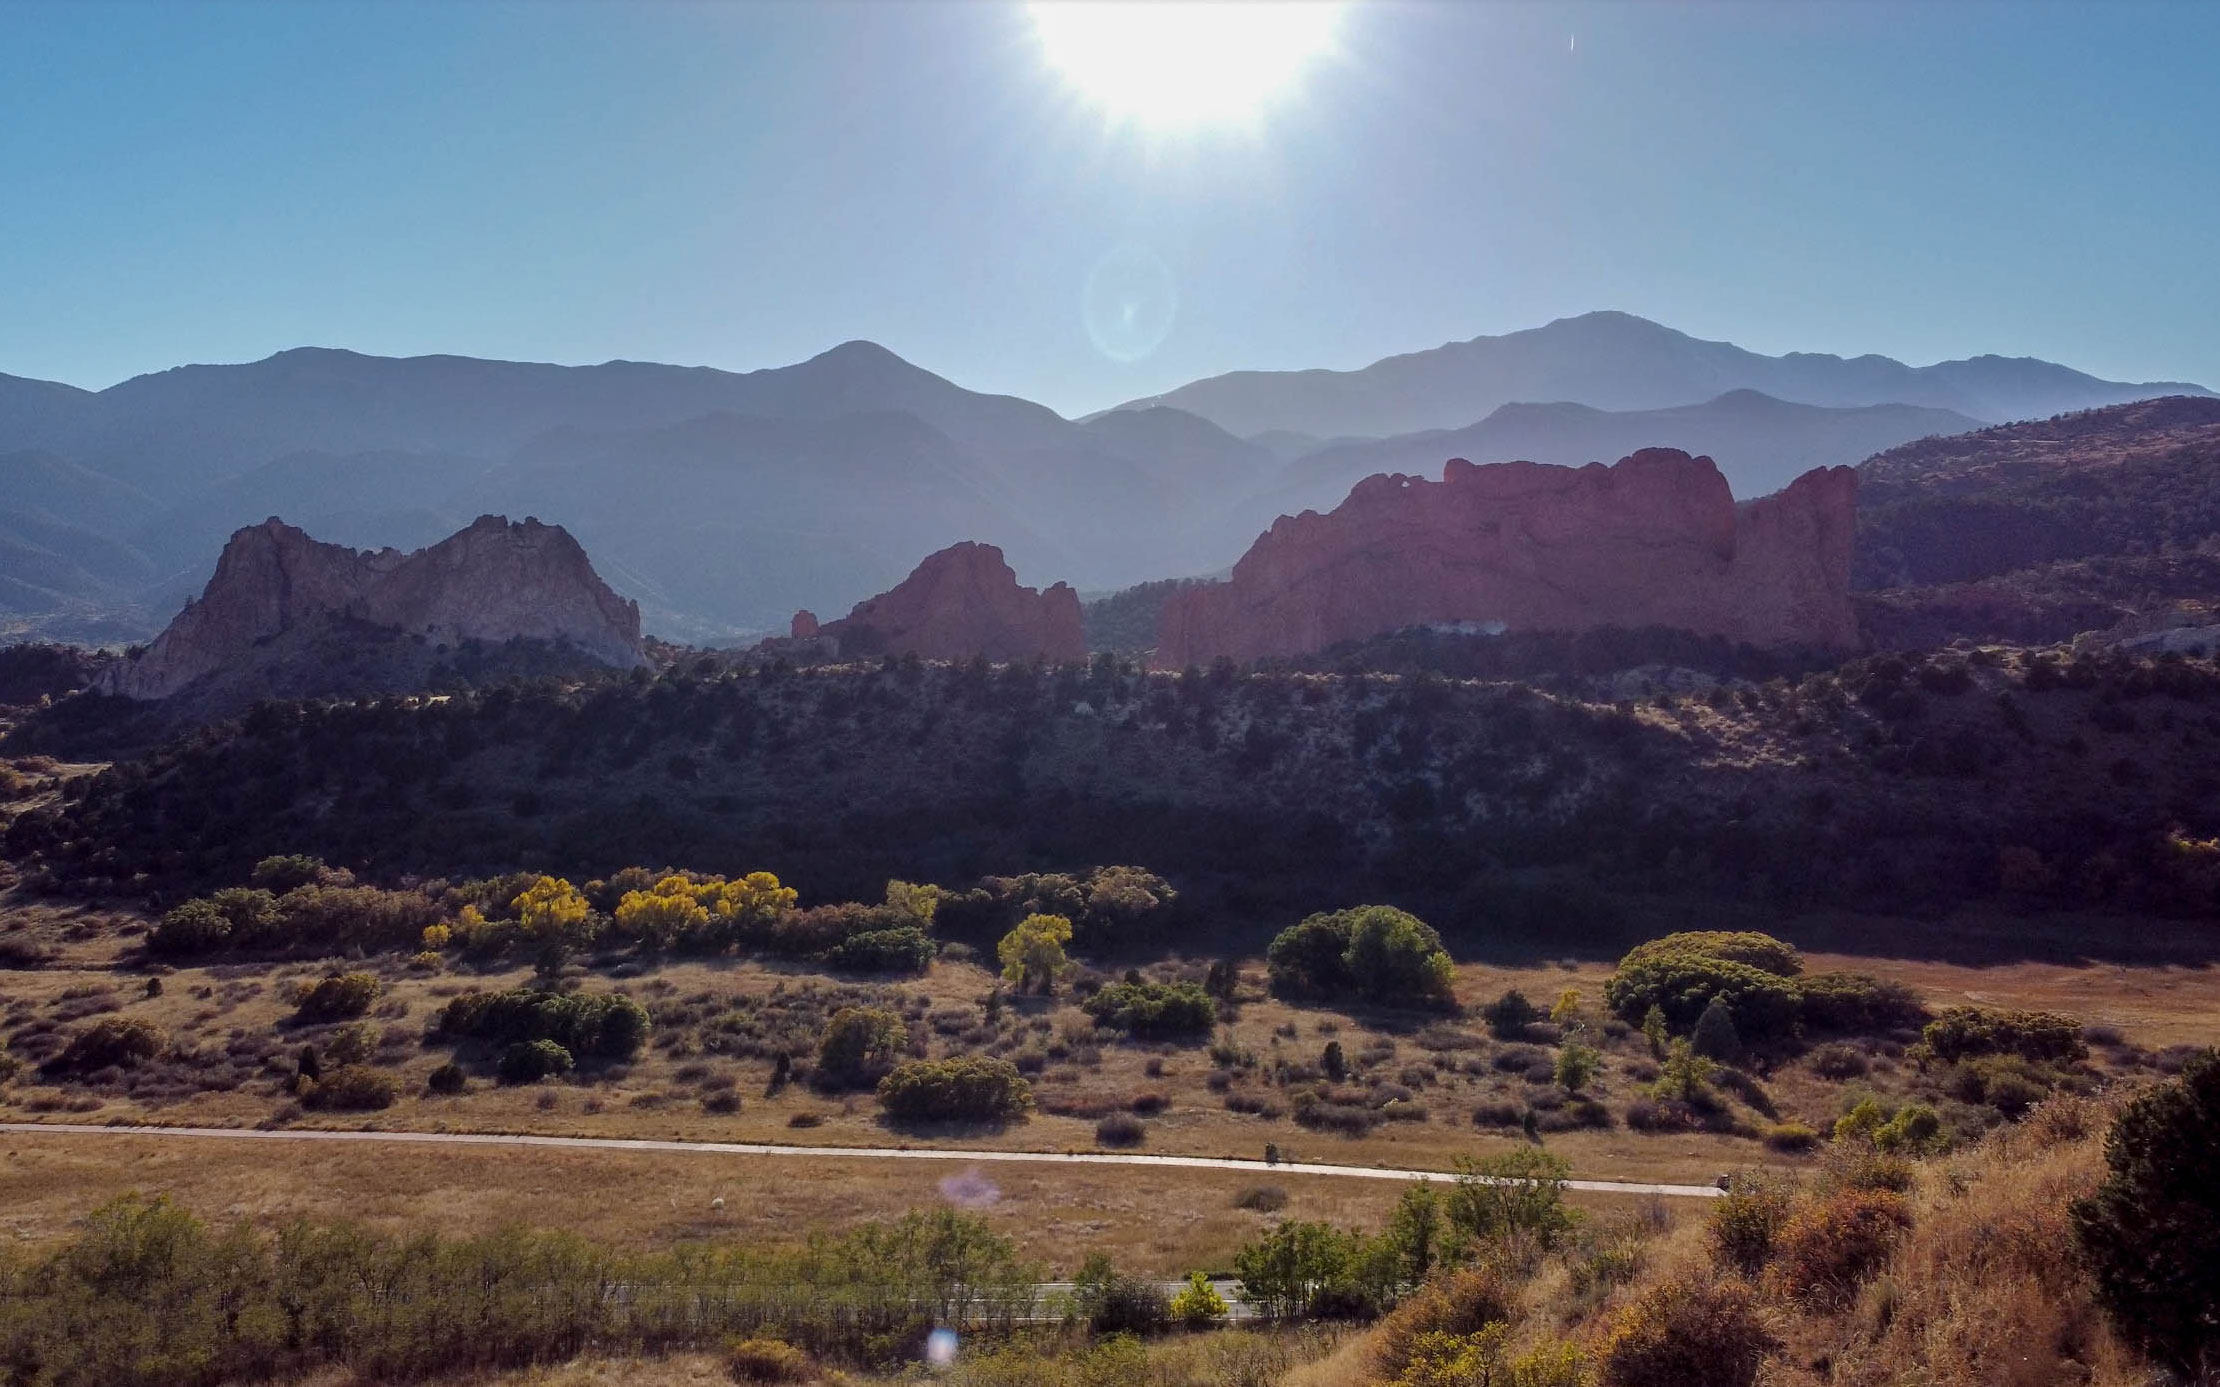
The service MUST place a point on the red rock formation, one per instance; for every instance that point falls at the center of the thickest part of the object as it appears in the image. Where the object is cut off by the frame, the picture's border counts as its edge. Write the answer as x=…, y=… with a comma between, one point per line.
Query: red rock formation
x=963, y=602
x=804, y=625
x=1656, y=540
x=490, y=582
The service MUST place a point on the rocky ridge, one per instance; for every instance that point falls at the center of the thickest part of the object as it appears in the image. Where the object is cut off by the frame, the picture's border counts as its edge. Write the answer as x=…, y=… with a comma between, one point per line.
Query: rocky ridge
x=492, y=582
x=961, y=603
x=1653, y=540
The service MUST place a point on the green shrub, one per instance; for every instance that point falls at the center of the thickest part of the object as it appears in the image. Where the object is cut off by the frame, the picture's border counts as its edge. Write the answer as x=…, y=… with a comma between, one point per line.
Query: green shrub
x=1306, y=960
x=120, y=1041
x=1858, y=1004
x=966, y=1088
x=906, y=949
x=1837, y=1061
x=605, y=1025
x=1198, y=1305
x=767, y=1360
x=2042, y=1036
x=282, y=874
x=1688, y=1332
x=2151, y=1232
x=1375, y=951
x=1509, y=1015
x=1154, y=1011
x=1120, y=1130
x=859, y=1046
x=1791, y=1137
x=196, y=927
x=1764, y=1006
x=349, y=1088
x=447, y=1079
x=1760, y=951
x=529, y=1061
x=1110, y=1302
x=337, y=997
x=2007, y=1083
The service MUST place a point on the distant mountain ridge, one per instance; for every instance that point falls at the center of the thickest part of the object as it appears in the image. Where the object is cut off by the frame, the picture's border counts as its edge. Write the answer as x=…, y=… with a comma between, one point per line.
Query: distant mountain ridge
x=1617, y=361
x=723, y=501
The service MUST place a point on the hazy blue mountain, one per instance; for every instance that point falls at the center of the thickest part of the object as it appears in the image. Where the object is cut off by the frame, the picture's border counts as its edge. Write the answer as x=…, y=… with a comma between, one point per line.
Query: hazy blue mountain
x=1616, y=361
x=1760, y=443
x=40, y=413
x=366, y=500
x=729, y=523
x=48, y=565
x=39, y=483
x=174, y=431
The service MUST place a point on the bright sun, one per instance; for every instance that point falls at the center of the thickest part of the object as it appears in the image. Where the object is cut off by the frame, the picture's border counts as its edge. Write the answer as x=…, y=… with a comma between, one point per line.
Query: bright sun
x=1183, y=62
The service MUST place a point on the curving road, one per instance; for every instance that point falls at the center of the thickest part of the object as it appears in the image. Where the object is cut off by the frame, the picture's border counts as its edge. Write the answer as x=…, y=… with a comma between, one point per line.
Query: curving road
x=890, y=1153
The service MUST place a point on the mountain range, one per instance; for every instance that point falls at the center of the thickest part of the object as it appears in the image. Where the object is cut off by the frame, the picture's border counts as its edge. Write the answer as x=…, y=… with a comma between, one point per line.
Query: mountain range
x=1617, y=361
x=723, y=501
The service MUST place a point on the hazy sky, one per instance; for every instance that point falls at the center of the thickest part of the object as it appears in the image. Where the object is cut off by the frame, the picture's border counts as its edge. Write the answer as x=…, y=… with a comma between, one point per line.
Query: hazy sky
x=744, y=185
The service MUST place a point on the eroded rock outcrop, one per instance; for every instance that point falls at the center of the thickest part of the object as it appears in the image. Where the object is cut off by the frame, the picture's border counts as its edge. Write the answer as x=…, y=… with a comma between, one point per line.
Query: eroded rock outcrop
x=961, y=603
x=1654, y=540
x=492, y=582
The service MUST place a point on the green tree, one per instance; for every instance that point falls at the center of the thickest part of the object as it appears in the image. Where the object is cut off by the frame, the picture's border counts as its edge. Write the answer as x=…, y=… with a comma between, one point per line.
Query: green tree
x=1112, y=1302
x=1286, y=1269
x=2151, y=1231
x=1715, y=1037
x=1032, y=955
x=1307, y=959
x=1520, y=1191
x=965, y=1088
x=860, y=1045
x=1685, y=1077
x=1577, y=1065
x=1414, y=1232
x=1333, y=1061
x=1509, y=1015
x=1397, y=958
x=1199, y=1304
x=1655, y=1032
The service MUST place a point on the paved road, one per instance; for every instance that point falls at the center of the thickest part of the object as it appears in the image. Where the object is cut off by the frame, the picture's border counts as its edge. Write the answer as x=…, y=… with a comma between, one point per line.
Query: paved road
x=891, y=1153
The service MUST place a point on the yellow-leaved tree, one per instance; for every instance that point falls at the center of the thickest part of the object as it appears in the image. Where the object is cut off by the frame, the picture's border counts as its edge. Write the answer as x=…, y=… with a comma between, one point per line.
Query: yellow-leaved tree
x=688, y=912
x=1032, y=955
x=553, y=914
x=749, y=905
x=666, y=914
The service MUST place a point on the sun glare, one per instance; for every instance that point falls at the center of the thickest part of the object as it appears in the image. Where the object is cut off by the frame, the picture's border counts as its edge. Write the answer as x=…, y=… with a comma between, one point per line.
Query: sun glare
x=1183, y=62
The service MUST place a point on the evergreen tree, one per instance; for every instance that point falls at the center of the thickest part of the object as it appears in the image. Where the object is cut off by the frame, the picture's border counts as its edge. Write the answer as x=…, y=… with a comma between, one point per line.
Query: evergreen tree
x=2151, y=1232
x=1715, y=1037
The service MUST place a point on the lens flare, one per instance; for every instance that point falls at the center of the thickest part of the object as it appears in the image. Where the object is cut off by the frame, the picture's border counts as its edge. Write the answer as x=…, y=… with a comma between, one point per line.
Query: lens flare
x=1128, y=303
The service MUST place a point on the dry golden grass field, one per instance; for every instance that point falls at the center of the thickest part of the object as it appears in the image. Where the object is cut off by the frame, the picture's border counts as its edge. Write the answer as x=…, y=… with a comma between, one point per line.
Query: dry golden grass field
x=1159, y=1219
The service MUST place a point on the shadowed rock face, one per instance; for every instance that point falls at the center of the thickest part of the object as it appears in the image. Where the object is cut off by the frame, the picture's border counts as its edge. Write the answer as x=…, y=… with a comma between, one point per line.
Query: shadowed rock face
x=1654, y=540
x=491, y=582
x=960, y=603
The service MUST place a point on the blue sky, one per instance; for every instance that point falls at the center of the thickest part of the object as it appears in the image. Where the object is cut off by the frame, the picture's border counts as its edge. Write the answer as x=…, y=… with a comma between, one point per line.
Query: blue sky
x=744, y=185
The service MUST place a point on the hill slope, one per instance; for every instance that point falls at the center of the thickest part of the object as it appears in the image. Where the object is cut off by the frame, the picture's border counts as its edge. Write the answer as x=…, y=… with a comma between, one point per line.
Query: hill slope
x=2036, y=531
